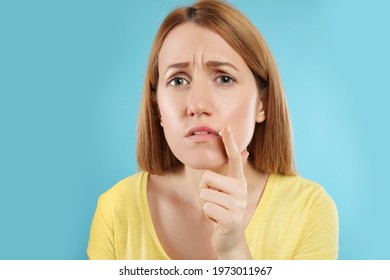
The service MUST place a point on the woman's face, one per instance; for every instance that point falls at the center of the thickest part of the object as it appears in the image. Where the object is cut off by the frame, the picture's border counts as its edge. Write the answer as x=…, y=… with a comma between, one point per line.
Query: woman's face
x=203, y=86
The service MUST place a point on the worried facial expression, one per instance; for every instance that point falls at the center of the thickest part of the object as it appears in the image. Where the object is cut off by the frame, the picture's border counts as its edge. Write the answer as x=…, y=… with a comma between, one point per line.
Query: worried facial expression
x=204, y=85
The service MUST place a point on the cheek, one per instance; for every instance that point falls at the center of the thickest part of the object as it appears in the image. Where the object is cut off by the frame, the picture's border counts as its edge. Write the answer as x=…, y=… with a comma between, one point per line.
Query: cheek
x=243, y=121
x=170, y=108
x=171, y=117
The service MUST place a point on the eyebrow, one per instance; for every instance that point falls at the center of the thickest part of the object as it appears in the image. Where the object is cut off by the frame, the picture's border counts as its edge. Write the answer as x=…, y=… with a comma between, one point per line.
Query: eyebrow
x=179, y=65
x=216, y=64
x=211, y=63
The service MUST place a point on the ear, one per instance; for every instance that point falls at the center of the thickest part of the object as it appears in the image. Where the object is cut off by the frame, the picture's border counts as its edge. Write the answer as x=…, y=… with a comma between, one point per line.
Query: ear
x=260, y=116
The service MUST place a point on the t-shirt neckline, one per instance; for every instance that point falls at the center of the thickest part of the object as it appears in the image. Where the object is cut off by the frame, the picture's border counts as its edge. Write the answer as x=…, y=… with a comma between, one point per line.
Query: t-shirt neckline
x=150, y=225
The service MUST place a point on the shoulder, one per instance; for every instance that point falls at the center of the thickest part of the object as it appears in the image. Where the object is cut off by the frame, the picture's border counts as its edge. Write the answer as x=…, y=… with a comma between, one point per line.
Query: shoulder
x=296, y=185
x=126, y=190
x=298, y=190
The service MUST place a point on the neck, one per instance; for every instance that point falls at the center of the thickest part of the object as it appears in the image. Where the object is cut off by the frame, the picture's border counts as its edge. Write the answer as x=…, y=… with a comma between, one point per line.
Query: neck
x=186, y=181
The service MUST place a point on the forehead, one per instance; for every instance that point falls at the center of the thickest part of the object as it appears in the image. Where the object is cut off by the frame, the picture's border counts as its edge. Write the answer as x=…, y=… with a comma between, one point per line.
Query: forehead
x=189, y=42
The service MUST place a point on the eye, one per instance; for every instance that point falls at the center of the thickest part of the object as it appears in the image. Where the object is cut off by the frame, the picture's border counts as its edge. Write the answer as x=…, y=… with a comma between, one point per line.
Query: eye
x=178, y=81
x=225, y=80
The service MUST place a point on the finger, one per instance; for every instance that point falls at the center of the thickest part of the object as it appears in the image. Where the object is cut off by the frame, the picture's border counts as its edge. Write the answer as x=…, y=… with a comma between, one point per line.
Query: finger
x=214, y=212
x=221, y=216
x=222, y=199
x=236, y=159
x=223, y=183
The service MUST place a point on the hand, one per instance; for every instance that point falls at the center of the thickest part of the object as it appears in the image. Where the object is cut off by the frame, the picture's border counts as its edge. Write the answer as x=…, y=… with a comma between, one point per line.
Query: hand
x=224, y=202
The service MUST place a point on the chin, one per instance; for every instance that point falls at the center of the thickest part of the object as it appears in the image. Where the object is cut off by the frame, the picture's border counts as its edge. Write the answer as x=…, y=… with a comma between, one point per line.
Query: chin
x=205, y=163
x=210, y=156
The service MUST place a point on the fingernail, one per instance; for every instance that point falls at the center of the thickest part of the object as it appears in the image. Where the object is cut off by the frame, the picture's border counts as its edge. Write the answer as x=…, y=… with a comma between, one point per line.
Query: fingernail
x=228, y=129
x=220, y=133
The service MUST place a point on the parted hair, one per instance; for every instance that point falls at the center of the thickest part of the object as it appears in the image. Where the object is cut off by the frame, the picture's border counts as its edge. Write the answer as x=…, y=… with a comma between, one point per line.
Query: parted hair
x=270, y=149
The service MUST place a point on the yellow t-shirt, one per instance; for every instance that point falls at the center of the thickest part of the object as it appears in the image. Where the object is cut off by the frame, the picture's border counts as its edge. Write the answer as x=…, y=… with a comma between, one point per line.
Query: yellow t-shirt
x=295, y=219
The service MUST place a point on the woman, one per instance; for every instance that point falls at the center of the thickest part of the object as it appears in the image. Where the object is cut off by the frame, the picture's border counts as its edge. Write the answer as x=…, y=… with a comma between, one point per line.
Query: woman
x=218, y=179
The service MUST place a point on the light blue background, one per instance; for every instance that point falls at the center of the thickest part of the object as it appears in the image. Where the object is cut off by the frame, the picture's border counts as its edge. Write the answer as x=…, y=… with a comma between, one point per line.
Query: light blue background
x=71, y=74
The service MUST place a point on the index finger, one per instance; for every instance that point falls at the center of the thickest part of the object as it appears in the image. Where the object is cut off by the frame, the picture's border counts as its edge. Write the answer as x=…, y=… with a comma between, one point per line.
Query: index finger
x=235, y=157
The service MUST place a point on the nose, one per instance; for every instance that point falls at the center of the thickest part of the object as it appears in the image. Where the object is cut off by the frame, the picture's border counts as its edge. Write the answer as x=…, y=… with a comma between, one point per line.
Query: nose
x=199, y=100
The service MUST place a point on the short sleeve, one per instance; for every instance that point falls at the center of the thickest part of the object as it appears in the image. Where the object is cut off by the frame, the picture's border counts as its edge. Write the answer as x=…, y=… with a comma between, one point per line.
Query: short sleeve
x=319, y=240
x=101, y=244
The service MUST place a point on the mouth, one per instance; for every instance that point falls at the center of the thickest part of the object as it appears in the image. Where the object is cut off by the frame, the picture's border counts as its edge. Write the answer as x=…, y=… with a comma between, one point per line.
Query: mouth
x=202, y=134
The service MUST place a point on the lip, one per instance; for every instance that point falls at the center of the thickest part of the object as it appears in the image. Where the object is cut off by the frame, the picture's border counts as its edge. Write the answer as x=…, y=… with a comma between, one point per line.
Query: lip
x=212, y=134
